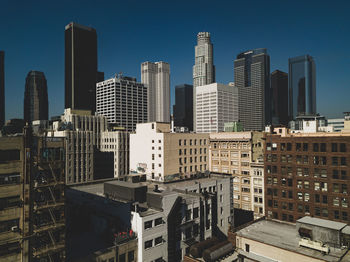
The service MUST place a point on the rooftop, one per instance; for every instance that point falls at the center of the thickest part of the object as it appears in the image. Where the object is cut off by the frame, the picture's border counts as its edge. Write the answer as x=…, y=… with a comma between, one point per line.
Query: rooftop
x=285, y=236
x=322, y=222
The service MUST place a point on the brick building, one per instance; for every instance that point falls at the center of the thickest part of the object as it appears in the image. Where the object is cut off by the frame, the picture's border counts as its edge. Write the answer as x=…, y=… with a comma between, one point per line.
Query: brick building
x=307, y=174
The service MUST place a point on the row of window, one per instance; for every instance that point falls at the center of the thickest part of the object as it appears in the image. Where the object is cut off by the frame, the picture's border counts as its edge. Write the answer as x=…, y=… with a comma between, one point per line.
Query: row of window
x=192, y=142
x=192, y=168
x=153, y=242
x=316, y=160
x=194, y=150
x=190, y=159
x=316, y=147
x=324, y=212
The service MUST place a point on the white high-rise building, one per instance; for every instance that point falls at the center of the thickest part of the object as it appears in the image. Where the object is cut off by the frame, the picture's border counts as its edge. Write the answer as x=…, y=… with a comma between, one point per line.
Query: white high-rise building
x=216, y=104
x=203, y=69
x=156, y=76
x=123, y=101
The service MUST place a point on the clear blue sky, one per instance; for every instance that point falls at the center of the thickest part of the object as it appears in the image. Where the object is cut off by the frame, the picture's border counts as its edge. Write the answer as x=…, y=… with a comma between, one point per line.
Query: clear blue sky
x=130, y=32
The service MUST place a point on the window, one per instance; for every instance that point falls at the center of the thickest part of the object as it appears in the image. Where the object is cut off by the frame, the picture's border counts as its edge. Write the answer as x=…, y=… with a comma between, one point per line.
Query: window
x=148, y=224
x=334, y=161
x=315, y=147
x=148, y=244
x=324, y=199
x=343, y=161
x=289, y=146
x=158, y=241
x=158, y=221
x=334, y=147
x=305, y=147
x=131, y=256
x=336, y=201
x=345, y=216
x=336, y=214
x=247, y=248
x=342, y=147
x=298, y=147
x=179, y=142
x=122, y=258
x=317, y=198
x=323, y=147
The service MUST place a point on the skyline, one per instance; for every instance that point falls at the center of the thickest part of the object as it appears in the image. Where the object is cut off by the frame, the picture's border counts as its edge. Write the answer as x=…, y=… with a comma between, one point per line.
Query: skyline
x=125, y=41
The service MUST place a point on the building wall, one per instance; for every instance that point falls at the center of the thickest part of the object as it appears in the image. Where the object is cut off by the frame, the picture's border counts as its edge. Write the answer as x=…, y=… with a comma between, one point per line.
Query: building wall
x=216, y=104
x=238, y=154
x=118, y=143
x=123, y=101
x=156, y=76
x=158, y=153
x=272, y=252
x=2, y=89
x=303, y=176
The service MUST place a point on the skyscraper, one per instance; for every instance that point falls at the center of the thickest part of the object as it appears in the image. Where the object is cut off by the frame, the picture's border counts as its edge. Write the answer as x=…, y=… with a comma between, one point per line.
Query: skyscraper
x=183, y=108
x=252, y=78
x=302, y=86
x=156, y=76
x=123, y=101
x=279, y=89
x=203, y=69
x=2, y=89
x=217, y=104
x=80, y=67
x=36, y=105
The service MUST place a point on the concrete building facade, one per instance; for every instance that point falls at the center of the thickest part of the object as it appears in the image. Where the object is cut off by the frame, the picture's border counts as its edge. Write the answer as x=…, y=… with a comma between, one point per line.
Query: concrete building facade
x=167, y=155
x=156, y=76
x=216, y=104
x=118, y=143
x=32, y=212
x=123, y=101
x=240, y=154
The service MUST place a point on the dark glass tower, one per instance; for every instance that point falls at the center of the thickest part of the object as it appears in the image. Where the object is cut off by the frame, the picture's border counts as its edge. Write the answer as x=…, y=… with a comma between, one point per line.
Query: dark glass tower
x=2, y=89
x=279, y=89
x=302, y=86
x=80, y=67
x=183, y=108
x=36, y=105
x=252, y=78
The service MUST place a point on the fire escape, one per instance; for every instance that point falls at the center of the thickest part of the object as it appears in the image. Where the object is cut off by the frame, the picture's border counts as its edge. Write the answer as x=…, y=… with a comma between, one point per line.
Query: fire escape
x=47, y=202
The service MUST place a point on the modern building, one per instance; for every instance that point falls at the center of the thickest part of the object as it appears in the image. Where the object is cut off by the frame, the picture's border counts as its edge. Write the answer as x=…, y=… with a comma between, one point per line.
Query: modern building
x=216, y=104
x=309, y=240
x=337, y=123
x=279, y=89
x=32, y=198
x=307, y=174
x=310, y=124
x=252, y=78
x=36, y=104
x=2, y=89
x=183, y=108
x=203, y=69
x=123, y=101
x=235, y=126
x=156, y=77
x=163, y=155
x=80, y=67
x=302, y=86
x=118, y=143
x=240, y=155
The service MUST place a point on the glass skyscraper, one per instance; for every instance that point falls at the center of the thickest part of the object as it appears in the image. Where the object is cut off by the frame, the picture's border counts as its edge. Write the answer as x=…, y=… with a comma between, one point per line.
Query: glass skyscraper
x=302, y=86
x=2, y=88
x=36, y=105
x=252, y=78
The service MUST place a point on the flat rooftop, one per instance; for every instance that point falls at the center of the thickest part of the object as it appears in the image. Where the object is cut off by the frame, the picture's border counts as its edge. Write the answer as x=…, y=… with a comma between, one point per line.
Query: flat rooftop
x=322, y=223
x=285, y=236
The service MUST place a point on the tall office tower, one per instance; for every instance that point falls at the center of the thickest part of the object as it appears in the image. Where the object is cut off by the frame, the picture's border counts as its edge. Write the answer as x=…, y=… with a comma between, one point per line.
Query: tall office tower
x=156, y=76
x=302, y=86
x=2, y=89
x=279, y=89
x=32, y=213
x=216, y=104
x=203, y=69
x=183, y=108
x=36, y=105
x=80, y=67
x=123, y=101
x=252, y=78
